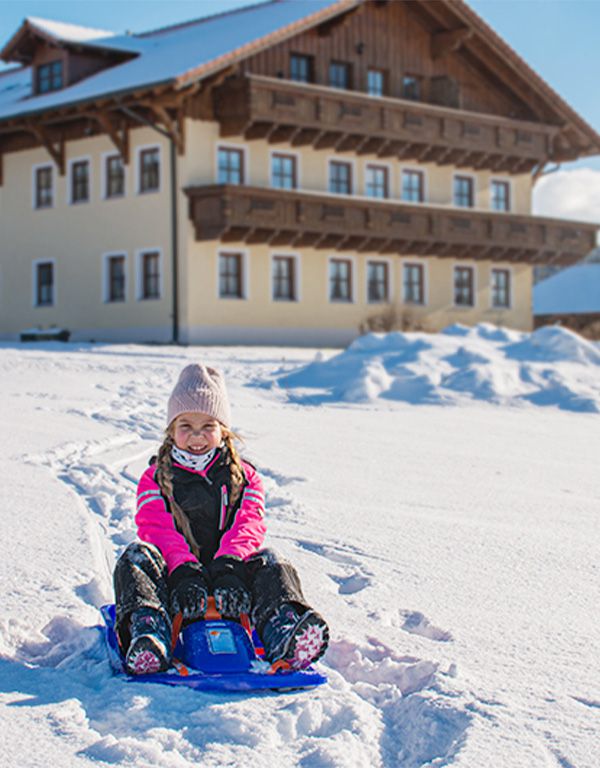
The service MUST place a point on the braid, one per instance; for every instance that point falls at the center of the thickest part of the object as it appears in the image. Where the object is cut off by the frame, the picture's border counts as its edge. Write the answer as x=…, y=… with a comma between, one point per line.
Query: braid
x=164, y=478
x=235, y=467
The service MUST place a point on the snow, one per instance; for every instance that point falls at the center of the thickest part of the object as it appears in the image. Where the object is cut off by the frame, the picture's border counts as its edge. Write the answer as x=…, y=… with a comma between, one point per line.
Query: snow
x=161, y=55
x=572, y=290
x=450, y=539
x=72, y=33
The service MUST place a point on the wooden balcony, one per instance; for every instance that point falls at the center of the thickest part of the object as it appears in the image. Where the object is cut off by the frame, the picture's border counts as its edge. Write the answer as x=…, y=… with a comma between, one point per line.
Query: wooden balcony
x=302, y=219
x=309, y=115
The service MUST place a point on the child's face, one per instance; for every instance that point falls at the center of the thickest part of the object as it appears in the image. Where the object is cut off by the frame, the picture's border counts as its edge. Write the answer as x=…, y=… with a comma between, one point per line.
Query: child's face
x=197, y=432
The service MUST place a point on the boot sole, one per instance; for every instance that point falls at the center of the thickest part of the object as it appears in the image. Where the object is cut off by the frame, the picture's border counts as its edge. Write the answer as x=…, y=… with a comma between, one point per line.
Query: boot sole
x=145, y=657
x=308, y=643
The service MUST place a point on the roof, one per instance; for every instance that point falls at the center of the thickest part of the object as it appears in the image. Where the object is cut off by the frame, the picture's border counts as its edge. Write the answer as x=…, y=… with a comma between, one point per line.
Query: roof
x=575, y=290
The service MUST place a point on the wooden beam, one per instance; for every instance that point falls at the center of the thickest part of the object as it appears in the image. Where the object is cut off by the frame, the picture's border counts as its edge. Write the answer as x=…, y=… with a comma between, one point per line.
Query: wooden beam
x=56, y=153
x=119, y=138
x=171, y=124
x=282, y=134
x=327, y=140
x=443, y=43
x=257, y=131
x=306, y=136
x=348, y=143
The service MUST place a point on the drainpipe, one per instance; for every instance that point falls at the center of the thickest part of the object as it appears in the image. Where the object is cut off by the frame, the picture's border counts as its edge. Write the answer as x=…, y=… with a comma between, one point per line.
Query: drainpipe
x=174, y=218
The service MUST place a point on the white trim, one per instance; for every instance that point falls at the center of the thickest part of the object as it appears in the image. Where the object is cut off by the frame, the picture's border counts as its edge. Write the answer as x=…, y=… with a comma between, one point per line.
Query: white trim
x=416, y=262
x=139, y=252
x=71, y=162
x=34, y=265
x=510, y=305
x=297, y=259
x=291, y=153
x=104, y=179
x=472, y=176
x=504, y=180
x=390, y=286
x=105, y=277
x=390, y=180
x=34, y=170
x=472, y=267
x=245, y=274
x=352, y=260
x=138, y=169
x=423, y=173
x=245, y=161
x=353, y=176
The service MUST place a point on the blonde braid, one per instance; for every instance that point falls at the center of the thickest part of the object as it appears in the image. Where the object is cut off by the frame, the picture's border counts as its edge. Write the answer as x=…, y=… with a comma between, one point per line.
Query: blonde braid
x=235, y=467
x=164, y=478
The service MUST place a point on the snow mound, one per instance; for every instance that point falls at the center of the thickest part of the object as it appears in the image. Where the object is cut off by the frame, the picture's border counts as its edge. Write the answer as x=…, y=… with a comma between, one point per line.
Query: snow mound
x=549, y=367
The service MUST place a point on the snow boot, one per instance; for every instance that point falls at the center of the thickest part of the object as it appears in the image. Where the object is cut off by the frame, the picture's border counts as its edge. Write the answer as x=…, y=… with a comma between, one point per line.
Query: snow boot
x=295, y=636
x=150, y=646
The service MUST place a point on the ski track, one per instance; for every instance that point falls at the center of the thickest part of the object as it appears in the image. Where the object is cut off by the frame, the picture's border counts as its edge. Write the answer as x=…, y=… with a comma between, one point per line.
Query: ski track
x=380, y=708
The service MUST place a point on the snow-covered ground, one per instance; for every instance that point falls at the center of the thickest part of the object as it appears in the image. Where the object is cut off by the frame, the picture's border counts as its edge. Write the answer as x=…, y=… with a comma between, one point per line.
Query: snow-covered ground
x=438, y=494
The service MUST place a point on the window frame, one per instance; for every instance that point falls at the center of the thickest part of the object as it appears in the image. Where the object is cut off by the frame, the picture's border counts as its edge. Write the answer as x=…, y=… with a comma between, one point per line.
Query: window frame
x=509, y=292
x=106, y=284
x=473, y=286
x=380, y=167
x=422, y=267
x=139, y=152
x=509, y=194
x=352, y=282
x=406, y=170
x=244, y=281
x=35, y=265
x=72, y=162
x=139, y=274
x=418, y=81
x=242, y=150
x=383, y=73
x=34, y=186
x=472, y=181
x=310, y=59
x=105, y=157
x=294, y=258
x=47, y=65
x=351, y=165
x=274, y=153
x=387, y=263
x=345, y=66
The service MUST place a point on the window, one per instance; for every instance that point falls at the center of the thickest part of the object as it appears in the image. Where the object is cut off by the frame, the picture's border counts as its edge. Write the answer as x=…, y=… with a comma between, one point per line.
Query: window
x=44, y=187
x=149, y=170
x=340, y=74
x=284, y=278
x=377, y=281
x=230, y=276
x=114, y=176
x=376, y=82
x=44, y=284
x=414, y=284
x=231, y=166
x=413, y=186
x=80, y=181
x=49, y=77
x=500, y=288
x=283, y=171
x=115, y=283
x=463, y=191
x=340, y=280
x=340, y=178
x=500, y=196
x=150, y=275
x=377, y=181
x=301, y=68
x=412, y=87
x=463, y=287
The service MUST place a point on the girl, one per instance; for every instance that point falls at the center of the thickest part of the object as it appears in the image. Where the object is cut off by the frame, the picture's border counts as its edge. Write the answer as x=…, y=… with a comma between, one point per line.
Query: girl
x=200, y=519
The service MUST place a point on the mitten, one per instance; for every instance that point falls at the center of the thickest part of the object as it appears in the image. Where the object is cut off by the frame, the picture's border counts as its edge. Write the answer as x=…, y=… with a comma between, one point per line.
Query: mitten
x=189, y=586
x=230, y=586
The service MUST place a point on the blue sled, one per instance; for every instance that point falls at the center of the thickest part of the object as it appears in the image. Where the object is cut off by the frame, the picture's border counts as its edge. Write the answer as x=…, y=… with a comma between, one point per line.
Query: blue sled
x=216, y=655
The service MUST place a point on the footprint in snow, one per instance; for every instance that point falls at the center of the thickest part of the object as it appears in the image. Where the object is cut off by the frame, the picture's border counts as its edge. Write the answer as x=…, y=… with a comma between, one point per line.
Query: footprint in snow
x=418, y=624
x=350, y=585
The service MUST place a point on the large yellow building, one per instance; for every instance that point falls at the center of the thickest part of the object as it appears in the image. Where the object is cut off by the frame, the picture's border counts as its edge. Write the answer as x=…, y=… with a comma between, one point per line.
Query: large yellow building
x=288, y=173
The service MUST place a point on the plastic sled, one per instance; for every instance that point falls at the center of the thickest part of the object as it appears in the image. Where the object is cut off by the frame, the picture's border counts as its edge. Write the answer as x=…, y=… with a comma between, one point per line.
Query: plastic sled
x=215, y=655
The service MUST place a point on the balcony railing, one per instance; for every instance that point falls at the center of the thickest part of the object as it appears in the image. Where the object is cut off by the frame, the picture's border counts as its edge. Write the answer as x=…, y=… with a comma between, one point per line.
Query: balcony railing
x=302, y=219
x=285, y=111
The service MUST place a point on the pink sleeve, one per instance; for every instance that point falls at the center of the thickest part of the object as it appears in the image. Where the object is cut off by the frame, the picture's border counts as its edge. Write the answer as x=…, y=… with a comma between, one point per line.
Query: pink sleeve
x=247, y=533
x=156, y=525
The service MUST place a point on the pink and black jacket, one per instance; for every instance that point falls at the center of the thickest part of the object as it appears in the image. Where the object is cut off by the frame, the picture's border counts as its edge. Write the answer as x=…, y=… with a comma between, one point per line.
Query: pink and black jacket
x=236, y=532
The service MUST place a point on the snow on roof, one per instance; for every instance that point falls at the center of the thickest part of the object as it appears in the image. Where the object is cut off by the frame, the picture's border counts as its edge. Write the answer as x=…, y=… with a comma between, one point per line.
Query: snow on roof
x=575, y=290
x=169, y=53
x=72, y=33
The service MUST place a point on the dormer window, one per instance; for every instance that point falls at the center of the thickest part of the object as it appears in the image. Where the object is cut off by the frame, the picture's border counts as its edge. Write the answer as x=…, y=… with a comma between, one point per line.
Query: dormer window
x=49, y=77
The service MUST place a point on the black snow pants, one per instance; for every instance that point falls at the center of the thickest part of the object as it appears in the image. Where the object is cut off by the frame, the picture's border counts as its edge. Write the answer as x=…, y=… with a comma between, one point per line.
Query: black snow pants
x=140, y=581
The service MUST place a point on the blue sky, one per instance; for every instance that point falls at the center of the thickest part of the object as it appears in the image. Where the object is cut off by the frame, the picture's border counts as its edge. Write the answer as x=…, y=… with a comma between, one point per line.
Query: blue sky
x=558, y=38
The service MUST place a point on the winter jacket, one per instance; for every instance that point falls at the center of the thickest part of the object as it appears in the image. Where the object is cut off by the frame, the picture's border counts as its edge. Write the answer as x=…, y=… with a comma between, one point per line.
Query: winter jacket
x=203, y=496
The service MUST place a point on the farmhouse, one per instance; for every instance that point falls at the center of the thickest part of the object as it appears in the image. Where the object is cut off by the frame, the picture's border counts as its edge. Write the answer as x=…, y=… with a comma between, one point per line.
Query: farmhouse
x=289, y=172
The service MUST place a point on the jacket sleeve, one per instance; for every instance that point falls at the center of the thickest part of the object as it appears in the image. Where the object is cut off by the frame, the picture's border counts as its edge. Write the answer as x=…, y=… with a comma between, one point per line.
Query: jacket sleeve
x=247, y=533
x=155, y=523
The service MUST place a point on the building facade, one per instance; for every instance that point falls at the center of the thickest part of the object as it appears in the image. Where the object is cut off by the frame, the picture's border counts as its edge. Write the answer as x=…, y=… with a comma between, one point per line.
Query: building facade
x=349, y=165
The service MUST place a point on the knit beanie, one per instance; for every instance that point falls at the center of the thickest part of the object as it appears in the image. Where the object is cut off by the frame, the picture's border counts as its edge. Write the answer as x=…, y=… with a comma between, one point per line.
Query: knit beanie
x=200, y=389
